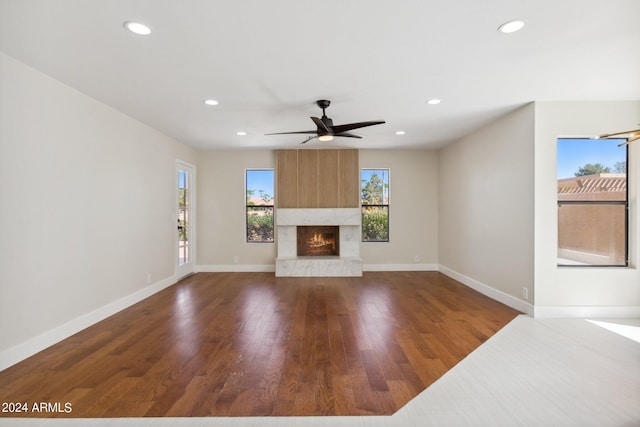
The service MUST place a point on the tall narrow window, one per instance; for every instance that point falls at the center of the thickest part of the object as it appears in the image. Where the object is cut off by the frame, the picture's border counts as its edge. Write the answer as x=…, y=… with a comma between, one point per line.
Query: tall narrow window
x=259, y=205
x=592, y=202
x=186, y=219
x=375, y=205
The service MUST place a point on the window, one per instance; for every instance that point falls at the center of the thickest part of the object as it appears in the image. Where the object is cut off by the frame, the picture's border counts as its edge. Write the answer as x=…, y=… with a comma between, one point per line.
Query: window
x=259, y=205
x=375, y=205
x=592, y=202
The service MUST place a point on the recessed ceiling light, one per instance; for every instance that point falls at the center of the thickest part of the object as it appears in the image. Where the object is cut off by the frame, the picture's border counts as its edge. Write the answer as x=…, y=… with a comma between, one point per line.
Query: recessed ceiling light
x=138, y=28
x=241, y=133
x=400, y=132
x=511, y=26
x=211, y=102
x=433, y=101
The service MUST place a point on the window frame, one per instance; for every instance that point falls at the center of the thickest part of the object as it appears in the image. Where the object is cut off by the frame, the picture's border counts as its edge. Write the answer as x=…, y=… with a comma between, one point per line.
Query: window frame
x=247, y=207
x=624, y=203
x=386, y=206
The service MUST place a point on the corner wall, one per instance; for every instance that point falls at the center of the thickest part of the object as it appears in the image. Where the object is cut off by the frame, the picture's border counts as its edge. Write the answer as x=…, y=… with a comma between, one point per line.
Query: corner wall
x=413, y=211
x=592, y=291
x=87, y=213
x=485, y=209
x=221, y=212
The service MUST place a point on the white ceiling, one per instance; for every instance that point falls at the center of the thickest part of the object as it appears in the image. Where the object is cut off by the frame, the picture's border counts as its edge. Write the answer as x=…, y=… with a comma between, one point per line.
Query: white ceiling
x=267, y=61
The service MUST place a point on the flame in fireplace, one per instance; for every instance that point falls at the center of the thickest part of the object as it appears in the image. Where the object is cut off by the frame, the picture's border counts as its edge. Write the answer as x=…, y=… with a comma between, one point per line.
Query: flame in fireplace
x=318, y=240
x=315, y=240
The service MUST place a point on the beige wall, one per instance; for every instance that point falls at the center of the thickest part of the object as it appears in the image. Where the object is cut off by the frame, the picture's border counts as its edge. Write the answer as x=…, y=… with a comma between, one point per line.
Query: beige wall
x=485, y=204
x=221, y=210
x=592, y=234
x=88, y=204
x=413, y=210
x=559, y=289
x=414, y=223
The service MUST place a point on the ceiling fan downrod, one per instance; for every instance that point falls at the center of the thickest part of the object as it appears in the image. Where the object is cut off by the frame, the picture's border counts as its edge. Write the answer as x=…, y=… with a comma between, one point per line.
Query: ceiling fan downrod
x=323, y=103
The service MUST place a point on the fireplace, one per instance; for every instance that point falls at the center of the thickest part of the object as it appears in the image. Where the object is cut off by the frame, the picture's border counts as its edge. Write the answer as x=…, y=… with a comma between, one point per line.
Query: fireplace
x=318, y=240
x=342, y=223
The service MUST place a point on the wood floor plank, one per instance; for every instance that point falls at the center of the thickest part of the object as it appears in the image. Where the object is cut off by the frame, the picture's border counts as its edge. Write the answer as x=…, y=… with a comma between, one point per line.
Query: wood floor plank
x=251, y=344
x=194, y=393
x=375, y=377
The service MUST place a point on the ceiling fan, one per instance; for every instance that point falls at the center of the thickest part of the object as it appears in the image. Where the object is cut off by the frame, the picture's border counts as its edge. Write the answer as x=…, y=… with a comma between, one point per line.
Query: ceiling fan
x=631, y=135
x=326, y=131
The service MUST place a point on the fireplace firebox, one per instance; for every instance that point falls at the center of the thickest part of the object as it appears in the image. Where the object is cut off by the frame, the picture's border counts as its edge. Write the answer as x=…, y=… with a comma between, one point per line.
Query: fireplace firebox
x=318, y=240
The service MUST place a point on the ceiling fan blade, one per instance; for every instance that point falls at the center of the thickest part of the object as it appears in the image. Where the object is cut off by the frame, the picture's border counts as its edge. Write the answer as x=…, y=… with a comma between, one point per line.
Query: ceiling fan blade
x=629, y=140
x=351, y=126
x=347, y=135
x=320, y=124
x=308, y=139
x=292, y=133
x=608, y=135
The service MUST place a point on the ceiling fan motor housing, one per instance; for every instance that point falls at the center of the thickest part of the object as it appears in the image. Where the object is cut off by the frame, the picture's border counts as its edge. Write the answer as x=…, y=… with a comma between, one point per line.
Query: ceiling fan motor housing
x=327, y=121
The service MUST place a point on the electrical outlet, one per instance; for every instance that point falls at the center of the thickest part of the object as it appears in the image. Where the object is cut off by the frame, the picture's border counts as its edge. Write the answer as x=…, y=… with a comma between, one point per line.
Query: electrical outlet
x=525, y=293
x=148, y=278
x=236, y=259
x=416, y=258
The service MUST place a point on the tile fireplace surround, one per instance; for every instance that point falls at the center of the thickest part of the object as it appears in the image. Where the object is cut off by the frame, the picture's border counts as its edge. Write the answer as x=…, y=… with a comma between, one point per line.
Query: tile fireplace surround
x=347, y=264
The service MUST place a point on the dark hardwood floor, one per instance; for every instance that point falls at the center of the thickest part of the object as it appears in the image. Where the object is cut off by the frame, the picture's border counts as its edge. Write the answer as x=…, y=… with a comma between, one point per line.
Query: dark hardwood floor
x=251, y=344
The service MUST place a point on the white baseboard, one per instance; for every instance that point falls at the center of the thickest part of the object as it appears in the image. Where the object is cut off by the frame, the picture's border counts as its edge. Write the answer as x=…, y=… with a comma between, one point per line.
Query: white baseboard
x=15, y=354
x=399, y=267
x=269, y=268
x=236, y=268
x=586, y=312
x=487, y=290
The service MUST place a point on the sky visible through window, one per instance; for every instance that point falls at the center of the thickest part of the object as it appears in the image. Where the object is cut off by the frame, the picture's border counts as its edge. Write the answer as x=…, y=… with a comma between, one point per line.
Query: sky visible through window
x=182, y=179
x=261, y=181
x=574, y=153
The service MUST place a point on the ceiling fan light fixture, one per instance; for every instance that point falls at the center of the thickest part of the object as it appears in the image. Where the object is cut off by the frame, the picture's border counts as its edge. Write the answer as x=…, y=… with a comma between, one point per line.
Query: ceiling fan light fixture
x=511, y=26
x=137, y=28
x=434, y=101
x=400, y=132
x=325, y=138
x=210, y=102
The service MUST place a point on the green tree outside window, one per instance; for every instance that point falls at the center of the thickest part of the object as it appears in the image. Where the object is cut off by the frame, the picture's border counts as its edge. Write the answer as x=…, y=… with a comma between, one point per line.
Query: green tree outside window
x=375, y=205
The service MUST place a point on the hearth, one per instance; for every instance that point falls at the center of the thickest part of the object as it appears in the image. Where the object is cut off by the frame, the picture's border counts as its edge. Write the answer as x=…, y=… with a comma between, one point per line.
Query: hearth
x=318, y=240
